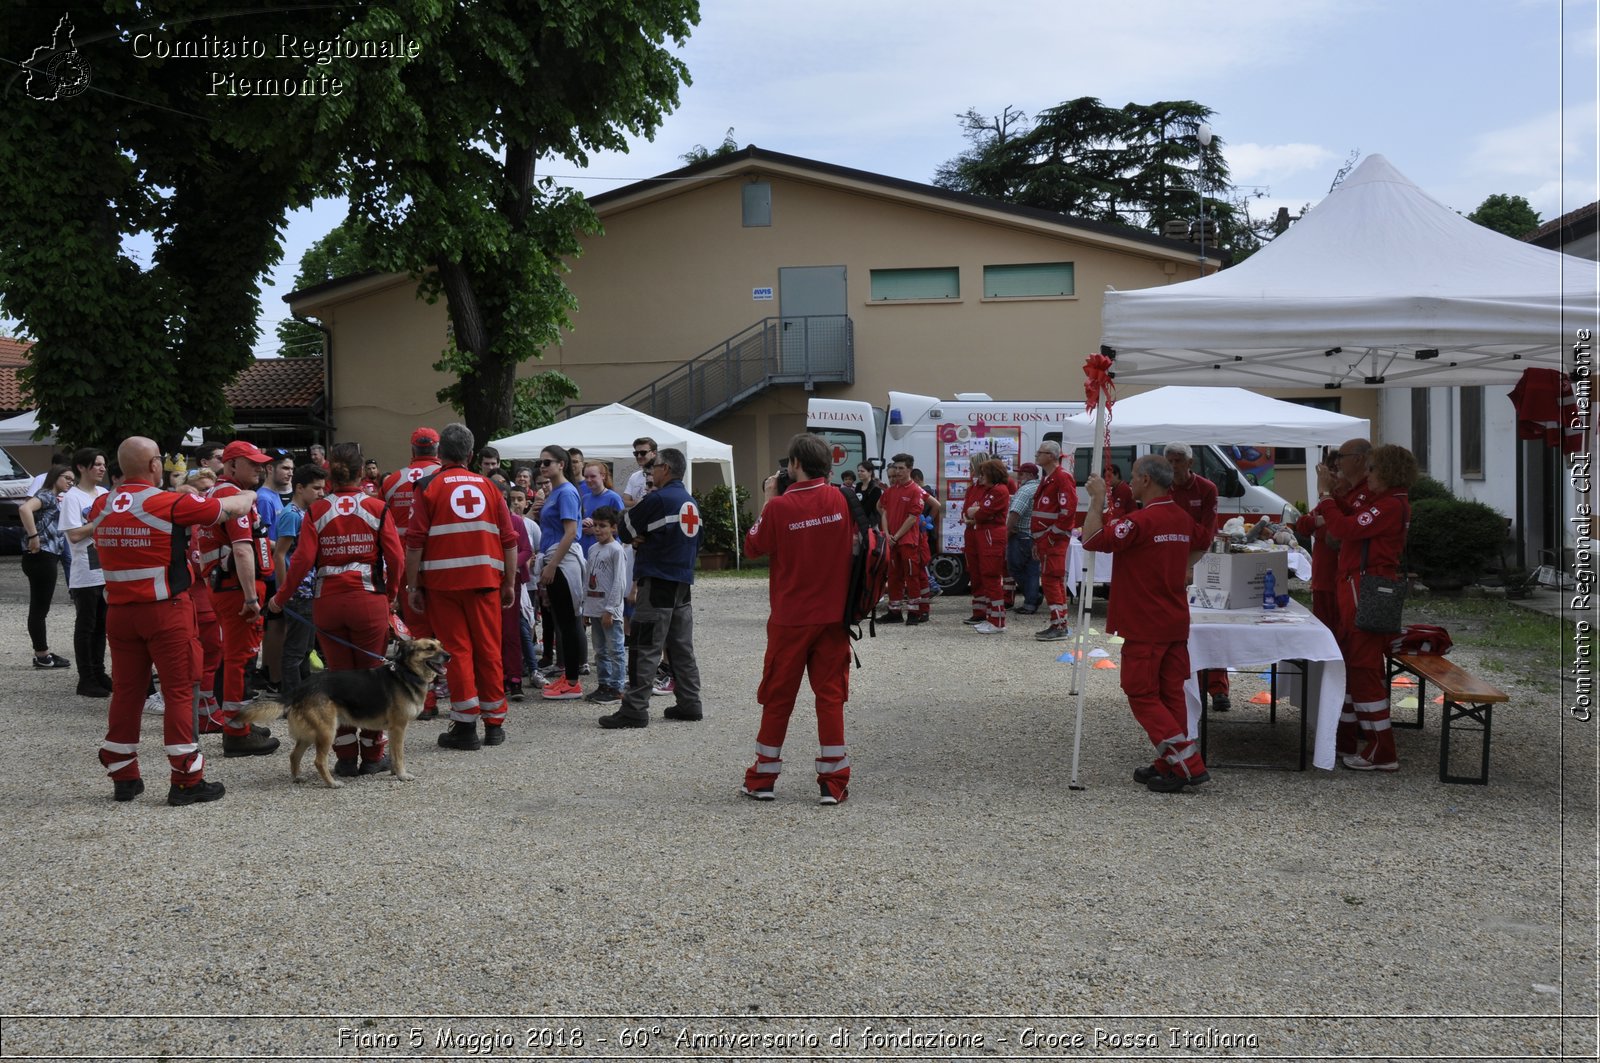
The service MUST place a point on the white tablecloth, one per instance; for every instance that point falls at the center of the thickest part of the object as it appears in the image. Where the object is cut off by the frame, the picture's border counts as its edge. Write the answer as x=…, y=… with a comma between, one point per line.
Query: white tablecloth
x=1236, y=638
x=1075, y=556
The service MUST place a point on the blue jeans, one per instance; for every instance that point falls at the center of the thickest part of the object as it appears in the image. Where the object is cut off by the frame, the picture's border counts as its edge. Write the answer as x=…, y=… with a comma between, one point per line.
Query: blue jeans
x=297, y=647
x=530, y=656
x=607, y=651
x=1024, y=568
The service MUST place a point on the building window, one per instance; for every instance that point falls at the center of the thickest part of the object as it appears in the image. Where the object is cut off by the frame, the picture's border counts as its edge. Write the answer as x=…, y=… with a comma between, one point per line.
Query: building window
x=757, y=203
x=1297, y=455
x=1420, y=426
x=1031, y=280
x=1472, y=432
x=890, y=285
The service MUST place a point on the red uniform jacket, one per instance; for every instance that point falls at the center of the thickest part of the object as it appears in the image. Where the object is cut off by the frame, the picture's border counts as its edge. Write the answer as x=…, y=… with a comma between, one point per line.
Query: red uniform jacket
x=1324, y=547
x=398, y=486
x=354, y=548
x=989, y=523
x=898, y=503
x=460, y=522
x=143, y=542
x=216, y=542
x=1376, y=522
x=1152, y=599
x=808, y=532
x=1198, y=499
x=1119, y=501
x=1055, y=509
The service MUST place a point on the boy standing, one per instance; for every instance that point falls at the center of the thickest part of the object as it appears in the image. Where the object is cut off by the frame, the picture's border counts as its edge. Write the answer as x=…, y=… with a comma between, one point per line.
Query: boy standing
x=606, y=584
x=310, y=483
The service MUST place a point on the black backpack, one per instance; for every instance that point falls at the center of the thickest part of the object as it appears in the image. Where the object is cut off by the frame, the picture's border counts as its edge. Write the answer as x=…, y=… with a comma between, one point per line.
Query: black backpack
x=869, y=574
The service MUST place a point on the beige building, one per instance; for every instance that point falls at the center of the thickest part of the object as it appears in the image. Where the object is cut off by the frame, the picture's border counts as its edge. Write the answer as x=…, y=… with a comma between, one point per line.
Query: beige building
x=724, y=295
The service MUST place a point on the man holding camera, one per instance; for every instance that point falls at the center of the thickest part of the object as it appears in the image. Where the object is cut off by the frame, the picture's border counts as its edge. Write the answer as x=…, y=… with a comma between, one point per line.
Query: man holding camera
x=807, y=529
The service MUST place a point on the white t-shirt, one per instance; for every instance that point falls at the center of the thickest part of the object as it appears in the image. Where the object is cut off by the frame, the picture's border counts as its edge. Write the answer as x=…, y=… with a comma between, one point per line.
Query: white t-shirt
x=636, y=486
x=84, y=568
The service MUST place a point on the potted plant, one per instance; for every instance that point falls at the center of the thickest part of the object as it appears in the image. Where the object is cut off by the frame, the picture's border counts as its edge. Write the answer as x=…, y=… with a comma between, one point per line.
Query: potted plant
x=719, y=543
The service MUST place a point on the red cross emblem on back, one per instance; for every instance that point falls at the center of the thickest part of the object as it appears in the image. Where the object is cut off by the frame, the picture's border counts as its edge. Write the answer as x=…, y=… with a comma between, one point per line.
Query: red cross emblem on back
x=689, y=519
x=468, y=502
x=346, y=505
x=122, y=503
x=416, y=473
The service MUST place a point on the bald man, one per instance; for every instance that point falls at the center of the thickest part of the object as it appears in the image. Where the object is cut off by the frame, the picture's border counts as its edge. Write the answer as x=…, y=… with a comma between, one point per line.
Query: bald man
x=141, y=534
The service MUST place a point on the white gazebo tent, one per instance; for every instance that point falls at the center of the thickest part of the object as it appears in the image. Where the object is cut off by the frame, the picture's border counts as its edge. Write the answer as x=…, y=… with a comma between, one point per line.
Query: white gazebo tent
x=609, y=433
x=1378, y=285
x=1220, y=415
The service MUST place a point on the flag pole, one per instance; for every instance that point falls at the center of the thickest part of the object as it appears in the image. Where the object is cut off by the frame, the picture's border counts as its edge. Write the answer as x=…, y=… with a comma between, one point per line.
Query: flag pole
x=1085, y=600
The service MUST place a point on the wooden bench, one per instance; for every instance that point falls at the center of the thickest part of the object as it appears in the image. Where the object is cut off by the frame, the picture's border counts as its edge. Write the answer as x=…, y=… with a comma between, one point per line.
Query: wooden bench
x=1466, y=697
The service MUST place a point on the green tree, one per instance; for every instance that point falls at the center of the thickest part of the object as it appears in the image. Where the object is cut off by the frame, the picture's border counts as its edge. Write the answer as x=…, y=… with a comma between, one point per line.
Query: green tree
x=1511, y=215
x=1139, y=164
x=340, y=253
x=137, y=150
x=442, y=167
x=700, y=153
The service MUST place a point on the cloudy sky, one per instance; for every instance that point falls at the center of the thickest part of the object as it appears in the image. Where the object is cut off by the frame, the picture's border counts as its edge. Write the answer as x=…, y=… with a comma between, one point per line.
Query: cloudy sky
x=1466, y=97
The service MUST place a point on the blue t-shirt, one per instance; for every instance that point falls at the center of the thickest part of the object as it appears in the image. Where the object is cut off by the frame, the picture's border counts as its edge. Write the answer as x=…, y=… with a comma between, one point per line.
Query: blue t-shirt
x=288, y=523
x=269, y=505
x=562, y=505
x=592, y=502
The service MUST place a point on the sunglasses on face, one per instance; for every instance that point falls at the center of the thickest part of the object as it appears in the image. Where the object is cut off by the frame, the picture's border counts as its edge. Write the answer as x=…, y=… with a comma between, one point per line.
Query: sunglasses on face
x=548, y=461
x=641, y=453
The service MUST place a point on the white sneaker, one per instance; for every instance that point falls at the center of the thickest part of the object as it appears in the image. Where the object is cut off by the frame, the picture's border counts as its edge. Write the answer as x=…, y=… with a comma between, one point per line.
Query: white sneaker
x=987, y=628
x=155, y=705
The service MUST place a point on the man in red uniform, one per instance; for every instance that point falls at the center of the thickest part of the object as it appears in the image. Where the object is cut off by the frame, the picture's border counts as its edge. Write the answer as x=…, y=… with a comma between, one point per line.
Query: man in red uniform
x=1197, y=496
x=1151, y=612
x=397, y=495
x=1119, y=496
x=460, y=547
x=141, y=535
x=900, y=516
x=1055, y=509
x=1348, y=465
x=242, y=557
x=808, y=532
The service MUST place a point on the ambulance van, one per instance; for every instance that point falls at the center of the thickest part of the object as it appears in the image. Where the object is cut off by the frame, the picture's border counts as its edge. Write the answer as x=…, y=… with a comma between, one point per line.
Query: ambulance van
x=942, y=434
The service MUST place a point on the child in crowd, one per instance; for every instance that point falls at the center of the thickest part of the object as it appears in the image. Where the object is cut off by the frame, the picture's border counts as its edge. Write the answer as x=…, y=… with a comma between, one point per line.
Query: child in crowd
x=606, y=579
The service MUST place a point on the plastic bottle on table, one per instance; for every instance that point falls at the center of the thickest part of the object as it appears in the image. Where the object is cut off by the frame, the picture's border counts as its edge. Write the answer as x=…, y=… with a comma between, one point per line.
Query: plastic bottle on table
x=1269, y=596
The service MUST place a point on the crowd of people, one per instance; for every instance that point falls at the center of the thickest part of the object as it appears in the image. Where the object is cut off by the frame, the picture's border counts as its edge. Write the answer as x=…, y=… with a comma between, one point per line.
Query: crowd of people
x=238, y=572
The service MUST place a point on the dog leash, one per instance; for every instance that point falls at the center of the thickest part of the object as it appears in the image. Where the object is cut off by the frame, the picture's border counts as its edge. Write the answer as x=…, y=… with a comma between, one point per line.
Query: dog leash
x=333, y=638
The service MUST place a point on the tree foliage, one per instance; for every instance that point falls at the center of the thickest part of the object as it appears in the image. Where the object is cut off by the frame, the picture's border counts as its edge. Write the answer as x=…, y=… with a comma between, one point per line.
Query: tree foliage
x=443, y=166
x=1139, y=164
x=1512, y=215
x=143, y=154
x=700, y=153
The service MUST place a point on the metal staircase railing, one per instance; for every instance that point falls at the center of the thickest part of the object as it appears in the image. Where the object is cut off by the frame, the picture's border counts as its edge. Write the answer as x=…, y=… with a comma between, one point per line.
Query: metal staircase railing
x=773, y=351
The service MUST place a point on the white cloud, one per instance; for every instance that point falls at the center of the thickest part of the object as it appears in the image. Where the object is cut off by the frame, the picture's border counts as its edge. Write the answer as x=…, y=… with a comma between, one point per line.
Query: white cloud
x=1264, y=163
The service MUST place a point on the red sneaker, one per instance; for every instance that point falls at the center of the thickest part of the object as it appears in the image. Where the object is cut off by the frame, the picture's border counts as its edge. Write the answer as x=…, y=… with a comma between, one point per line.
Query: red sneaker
x=562, y=689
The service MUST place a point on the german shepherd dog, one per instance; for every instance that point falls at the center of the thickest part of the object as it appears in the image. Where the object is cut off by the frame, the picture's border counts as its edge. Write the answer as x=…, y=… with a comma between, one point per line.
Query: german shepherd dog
x=386, y=698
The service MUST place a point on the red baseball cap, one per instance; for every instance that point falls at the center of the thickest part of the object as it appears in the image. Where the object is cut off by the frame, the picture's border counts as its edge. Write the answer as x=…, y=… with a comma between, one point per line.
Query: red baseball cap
x=1029, y=466
x=424, y=437
x=249, y=451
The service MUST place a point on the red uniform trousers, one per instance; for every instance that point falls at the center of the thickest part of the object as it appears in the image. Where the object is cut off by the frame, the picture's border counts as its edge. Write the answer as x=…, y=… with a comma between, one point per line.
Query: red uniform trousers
x=1153, y=674
x=361, y=618
x=822, y=653
x=969, y=556
x=1366, y=681
x=1053, y=579
x=241, y=641
x=210, y=635
x=988, y=580
x=1325, y=607
x=140, y=634
x=420, y=628
x=468, y=623
x=908, y=578
x=1214, y=680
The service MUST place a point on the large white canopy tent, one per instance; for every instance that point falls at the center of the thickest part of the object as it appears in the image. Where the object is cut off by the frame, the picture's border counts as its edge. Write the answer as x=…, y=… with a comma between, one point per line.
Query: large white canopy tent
x=1378, y=285
x=1219, y=415
x=609, y=433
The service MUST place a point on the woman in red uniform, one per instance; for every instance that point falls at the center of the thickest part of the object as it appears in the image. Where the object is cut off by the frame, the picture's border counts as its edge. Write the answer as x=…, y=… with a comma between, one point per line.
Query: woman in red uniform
x=355, y=550
x=987, y=503
x=1371, y=529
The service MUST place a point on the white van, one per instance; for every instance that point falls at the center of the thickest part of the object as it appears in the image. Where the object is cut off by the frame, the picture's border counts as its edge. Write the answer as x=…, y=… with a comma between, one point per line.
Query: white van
x=940, y=434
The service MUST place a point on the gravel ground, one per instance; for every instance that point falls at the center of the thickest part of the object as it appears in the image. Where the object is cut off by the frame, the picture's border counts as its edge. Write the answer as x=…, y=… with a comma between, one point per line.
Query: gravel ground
x=591, y=894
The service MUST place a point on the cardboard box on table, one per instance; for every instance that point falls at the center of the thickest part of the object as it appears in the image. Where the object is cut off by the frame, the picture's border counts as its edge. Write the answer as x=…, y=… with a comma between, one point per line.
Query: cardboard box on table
x=1235, y=581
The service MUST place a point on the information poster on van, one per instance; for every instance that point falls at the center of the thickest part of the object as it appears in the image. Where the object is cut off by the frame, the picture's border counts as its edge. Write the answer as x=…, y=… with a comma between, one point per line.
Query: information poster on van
x=957, y=445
